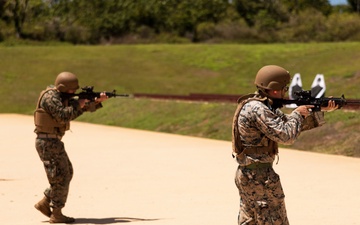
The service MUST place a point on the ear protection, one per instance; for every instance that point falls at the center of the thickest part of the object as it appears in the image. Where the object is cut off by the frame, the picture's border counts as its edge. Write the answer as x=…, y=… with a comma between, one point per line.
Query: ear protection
x=61, y=88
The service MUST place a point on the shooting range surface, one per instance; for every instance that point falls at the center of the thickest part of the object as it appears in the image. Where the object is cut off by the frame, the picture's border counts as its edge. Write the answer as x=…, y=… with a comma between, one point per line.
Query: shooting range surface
x=126, y=175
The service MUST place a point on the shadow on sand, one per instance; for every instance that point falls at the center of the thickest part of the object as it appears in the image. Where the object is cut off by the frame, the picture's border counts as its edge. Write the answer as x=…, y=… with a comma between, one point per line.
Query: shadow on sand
x=110, y=220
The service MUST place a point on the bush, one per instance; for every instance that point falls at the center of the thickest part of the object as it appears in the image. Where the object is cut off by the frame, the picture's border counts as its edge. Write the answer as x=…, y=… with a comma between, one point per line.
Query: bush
x=234, y=30
x=342, y=27
x=205, y=31
x=53, y=30
x=76, y=34
x=308, y=25
x=170, y=38
x=227, y=31
x=2, y=38
x=145, y=32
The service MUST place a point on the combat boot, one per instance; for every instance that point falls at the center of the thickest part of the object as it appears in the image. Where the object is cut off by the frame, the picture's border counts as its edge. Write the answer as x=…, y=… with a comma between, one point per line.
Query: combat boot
x=44, y=206
x=58, y=217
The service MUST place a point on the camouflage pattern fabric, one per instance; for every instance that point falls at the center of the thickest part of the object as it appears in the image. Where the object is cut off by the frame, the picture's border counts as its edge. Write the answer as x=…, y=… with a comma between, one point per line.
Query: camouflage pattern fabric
x=261, y=194
x=58, y=169
x=261, y=197
x=316, y=119
x=53, y=104
x=51, y=151
x=258, y=123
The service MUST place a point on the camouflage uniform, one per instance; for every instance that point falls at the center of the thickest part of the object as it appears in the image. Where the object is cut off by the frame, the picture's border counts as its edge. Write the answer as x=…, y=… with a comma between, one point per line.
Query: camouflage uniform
x=51, y=149
x=58, y=169
x=260, y=128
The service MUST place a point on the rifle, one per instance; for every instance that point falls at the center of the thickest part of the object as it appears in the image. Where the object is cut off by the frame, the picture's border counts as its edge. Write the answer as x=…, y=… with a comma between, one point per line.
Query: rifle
x=88, y=93
x=305, y=98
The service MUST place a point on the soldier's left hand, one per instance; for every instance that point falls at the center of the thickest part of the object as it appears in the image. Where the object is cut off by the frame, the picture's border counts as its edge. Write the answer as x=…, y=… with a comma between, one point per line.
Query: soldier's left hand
x=331, y=106
x=102, y=98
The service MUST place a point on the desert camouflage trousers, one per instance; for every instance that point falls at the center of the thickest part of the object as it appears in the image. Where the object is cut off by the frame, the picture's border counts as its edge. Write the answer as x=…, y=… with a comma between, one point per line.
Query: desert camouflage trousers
x=261, y=197
x=58, y=169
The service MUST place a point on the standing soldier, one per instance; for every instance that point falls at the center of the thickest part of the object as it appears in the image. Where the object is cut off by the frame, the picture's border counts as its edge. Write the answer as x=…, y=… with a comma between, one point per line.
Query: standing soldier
x=52, y=118
x=258, y=126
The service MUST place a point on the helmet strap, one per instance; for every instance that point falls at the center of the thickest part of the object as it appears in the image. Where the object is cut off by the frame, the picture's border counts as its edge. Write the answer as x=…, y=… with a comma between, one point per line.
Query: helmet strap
x=273, y=102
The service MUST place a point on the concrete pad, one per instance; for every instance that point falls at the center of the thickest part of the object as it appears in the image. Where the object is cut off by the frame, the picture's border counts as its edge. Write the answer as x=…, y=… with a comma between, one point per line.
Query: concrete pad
x=125, y=175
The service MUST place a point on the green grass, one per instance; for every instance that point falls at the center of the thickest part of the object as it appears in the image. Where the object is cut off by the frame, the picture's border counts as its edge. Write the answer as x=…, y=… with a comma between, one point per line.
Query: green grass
x=340, y=135
x=210, y=120
x=184, y=69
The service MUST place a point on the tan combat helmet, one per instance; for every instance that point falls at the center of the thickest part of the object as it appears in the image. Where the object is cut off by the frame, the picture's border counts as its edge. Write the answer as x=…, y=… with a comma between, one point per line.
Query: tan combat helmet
x=66, y=81
x=272, y=77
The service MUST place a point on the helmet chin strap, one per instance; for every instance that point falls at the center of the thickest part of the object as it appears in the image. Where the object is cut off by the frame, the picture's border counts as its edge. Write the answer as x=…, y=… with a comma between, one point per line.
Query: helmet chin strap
x=263, y=93
x=275, y=103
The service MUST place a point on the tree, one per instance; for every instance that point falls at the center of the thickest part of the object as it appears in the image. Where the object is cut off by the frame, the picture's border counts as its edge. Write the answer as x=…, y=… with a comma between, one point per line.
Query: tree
x=251, y=11
x=3, y=9
x=188, y=14
x=354, y=5
x=300, y=5
x=19, y=12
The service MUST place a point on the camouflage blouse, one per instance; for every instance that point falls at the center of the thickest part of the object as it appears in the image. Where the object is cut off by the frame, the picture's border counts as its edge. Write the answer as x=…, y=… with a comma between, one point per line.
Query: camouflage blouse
x=61, y=111
x=258, y=123
x=52, y=103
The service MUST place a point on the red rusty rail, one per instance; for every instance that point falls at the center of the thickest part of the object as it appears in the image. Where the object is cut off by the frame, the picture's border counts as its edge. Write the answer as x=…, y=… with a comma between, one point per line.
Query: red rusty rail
x=352, y=104
x=191, y=97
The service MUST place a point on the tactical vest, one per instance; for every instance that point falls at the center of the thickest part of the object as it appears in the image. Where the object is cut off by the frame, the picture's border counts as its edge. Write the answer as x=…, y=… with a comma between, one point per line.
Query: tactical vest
x=44, y=122
x=239, y=150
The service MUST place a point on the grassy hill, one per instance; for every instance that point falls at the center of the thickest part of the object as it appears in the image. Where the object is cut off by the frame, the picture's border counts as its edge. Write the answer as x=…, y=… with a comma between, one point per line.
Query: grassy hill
x=184, y=69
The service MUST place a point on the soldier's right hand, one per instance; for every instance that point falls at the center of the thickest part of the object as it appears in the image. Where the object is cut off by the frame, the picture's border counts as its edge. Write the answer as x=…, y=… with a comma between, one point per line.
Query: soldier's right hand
x=82, y=102
x=304, y=110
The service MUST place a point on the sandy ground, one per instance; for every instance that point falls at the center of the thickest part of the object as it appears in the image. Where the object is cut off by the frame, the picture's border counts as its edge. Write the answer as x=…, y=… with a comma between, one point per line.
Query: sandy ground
x=133, y=176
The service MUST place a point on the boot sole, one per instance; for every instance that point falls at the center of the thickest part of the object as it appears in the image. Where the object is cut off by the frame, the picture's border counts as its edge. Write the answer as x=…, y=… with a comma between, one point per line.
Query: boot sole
x=62, y=221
